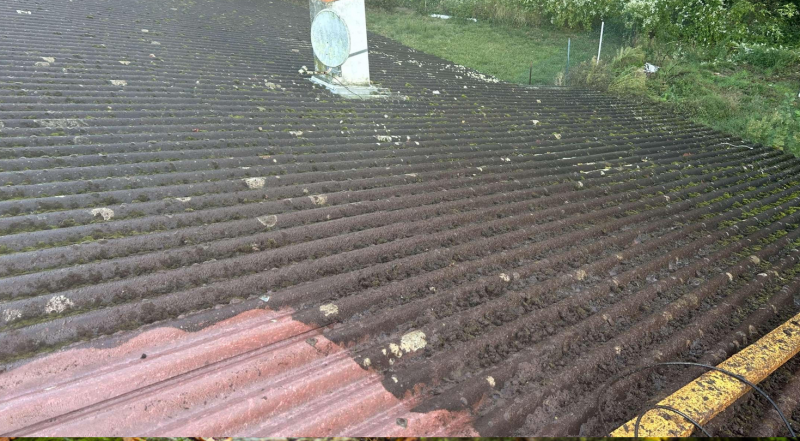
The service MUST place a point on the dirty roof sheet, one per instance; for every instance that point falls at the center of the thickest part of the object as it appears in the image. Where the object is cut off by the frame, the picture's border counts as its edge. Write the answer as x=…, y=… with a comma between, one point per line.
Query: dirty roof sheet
x=213, y=245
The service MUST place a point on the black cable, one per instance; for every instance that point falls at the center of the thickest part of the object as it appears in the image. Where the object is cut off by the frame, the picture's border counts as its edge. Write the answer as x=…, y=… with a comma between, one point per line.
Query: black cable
x=686, y=363
x=671, y=409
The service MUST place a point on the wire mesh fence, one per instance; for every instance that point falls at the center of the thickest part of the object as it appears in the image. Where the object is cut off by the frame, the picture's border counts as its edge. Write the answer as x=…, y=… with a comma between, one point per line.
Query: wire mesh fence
x=538, y=53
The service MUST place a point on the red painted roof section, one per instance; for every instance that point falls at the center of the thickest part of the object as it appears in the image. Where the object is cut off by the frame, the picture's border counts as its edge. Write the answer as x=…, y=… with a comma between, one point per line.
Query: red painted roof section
x=259, y=373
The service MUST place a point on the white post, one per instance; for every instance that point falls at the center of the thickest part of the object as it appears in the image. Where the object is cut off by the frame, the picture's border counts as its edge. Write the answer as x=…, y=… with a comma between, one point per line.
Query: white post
x=602, y=26
x=355, y=69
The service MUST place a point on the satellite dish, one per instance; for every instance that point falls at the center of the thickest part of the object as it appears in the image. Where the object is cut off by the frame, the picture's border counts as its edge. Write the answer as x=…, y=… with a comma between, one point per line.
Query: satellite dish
x=330, y=38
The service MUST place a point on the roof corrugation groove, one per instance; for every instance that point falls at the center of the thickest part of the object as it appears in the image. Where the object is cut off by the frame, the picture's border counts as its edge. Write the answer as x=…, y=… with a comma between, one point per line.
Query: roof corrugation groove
x=210, y=244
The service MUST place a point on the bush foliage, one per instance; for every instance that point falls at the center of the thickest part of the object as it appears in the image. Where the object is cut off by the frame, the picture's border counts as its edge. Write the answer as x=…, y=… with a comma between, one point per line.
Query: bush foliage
x=705, y=22
x=733, y=65
x=749, y=91
x=710, y=22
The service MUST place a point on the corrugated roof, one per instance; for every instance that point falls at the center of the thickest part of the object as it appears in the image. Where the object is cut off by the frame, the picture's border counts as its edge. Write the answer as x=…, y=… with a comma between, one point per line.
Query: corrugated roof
x=213, y=245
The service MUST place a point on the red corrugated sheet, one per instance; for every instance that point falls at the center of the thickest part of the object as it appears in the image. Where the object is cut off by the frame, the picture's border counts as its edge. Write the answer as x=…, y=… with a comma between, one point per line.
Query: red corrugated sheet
x=260, y=373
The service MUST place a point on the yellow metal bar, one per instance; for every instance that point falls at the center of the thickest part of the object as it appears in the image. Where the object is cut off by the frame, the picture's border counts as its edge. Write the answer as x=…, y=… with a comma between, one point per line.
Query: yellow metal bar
x=711, y=393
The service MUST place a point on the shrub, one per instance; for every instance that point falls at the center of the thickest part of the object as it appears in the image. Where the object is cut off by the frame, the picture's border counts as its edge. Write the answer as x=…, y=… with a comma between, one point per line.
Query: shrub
x=712, y=107
x=703, y=22
x=628, y=56
x=776, y=59
x=590, y=75
x=623, y=75
x=781, y=128
x=630, y=82
x=709, y=22
x=576, y=13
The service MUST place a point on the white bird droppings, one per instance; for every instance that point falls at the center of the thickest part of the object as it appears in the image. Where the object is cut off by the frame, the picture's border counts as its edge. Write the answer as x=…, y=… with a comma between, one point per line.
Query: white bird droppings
x=106, y=213
x=49, y=59
x=580, y=274
x=186, y=199
x=413, y=341
x=395, y=350
x=41, y=64
x=58, y=304
x=268, y=221
x=329, y=309
x=730, y=277
x=10, y=315
x=383, y=138
x=319, y=199
x=255, y=183
x=60, y=123
x=367, y=362
x=490, y=380
x=505, y=277
x=124, y=62
x=119, y=82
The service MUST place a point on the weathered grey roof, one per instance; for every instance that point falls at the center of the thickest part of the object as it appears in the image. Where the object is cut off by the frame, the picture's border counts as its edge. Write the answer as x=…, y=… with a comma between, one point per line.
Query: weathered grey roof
x=216, y=246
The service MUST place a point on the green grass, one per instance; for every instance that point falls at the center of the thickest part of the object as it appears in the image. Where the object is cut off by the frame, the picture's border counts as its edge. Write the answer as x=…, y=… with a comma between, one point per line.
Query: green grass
x=752, y=95
x=500, y=50
x=745, y=100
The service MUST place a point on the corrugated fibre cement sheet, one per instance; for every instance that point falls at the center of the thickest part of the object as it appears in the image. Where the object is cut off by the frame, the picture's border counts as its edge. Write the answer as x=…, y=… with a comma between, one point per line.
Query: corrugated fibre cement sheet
x=194, y=239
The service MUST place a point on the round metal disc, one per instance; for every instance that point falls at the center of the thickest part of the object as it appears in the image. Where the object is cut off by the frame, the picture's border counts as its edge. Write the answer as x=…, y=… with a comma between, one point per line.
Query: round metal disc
x=330, y=38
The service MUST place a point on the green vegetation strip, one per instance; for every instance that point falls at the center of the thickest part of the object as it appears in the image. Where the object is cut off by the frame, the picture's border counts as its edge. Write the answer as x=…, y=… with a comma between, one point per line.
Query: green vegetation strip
x=502, y=51
x=750, y=91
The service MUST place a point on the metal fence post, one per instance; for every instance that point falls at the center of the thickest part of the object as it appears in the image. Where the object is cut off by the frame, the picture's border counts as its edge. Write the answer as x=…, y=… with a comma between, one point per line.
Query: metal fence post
x=566, y=72
x=602, y=26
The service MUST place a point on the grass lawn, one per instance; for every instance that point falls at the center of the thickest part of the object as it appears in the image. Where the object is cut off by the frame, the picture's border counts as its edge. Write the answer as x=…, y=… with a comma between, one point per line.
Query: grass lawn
x=751, y=102
x=495, y=49
x=751, y=99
